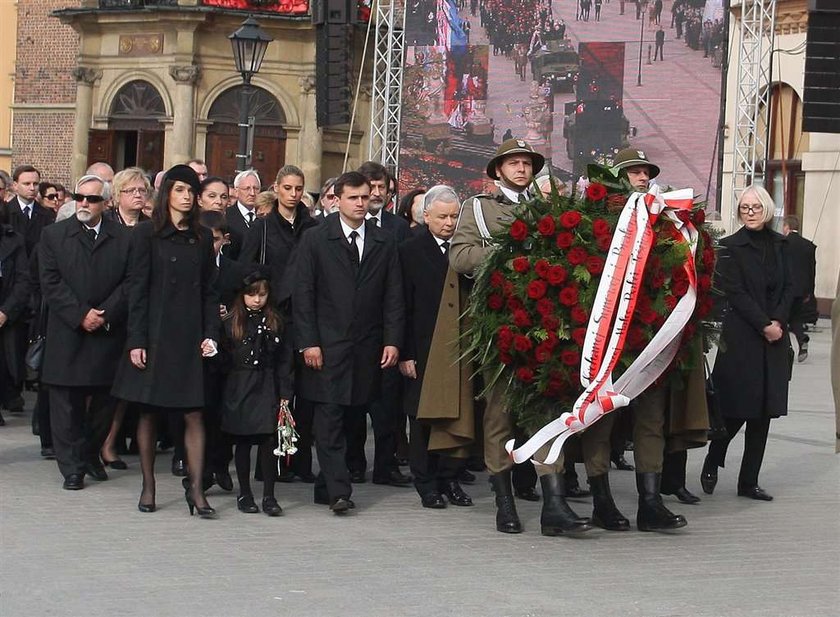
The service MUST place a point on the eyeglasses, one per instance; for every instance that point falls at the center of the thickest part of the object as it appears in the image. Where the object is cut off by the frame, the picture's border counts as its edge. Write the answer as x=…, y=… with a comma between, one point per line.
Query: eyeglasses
x=137, y=190
x=249, y=189
x=91, y=199
x=750, y=209
x=51, y=196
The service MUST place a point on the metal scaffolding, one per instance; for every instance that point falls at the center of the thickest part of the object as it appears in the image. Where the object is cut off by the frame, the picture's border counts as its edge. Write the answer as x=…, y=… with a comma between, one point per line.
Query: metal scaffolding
x=752, y=97
x=386, y=96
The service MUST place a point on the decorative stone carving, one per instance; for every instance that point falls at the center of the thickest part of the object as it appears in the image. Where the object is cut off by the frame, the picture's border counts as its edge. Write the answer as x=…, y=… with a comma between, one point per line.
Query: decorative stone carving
x=141, y=44
x=187, y=73
x=307, y=84
x=86, y=75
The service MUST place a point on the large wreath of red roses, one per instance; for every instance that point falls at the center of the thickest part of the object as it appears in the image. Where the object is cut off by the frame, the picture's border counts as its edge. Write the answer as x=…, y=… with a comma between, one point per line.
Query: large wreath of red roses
x=531, y=300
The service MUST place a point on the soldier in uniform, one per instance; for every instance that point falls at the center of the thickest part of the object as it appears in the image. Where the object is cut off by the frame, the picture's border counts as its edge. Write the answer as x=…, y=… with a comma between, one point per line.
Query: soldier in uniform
x=661, y=411
x=513, y=169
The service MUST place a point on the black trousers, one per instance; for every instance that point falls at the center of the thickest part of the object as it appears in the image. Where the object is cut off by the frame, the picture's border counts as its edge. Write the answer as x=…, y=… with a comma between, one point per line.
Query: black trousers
x=301, y=462
x=10, y=388
x=383, y=415
x=331, y=446
x=755, y=441
x=431, y=470
x=42, y=409
x=81, y=418
x=673, y=471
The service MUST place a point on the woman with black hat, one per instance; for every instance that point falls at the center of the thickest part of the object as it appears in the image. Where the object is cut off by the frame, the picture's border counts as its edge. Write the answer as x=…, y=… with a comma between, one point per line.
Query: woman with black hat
x=173, y=323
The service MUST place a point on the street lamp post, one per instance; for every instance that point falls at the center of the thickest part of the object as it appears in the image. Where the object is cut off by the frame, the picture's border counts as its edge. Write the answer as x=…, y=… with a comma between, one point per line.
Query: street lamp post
x=644, y=5
x=249, y=44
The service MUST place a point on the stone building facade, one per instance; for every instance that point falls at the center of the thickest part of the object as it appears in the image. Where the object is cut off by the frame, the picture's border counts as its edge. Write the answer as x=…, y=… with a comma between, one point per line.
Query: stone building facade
x=152, y=83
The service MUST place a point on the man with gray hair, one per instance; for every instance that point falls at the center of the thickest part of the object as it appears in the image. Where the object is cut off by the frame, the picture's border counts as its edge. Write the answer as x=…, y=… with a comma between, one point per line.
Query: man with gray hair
x=82, y=263
x=241, y=215
x=101, y=170
x=441, y=419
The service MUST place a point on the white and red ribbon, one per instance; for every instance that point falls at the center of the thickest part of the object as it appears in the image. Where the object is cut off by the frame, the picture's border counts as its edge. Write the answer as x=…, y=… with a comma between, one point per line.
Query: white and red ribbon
x=612, y=311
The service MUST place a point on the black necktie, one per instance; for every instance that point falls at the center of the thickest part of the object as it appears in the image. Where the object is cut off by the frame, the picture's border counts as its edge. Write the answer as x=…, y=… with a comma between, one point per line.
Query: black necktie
x=250, y=218
x=91, y=233
x=354, y=247
x=26, y=210
x=445, y=246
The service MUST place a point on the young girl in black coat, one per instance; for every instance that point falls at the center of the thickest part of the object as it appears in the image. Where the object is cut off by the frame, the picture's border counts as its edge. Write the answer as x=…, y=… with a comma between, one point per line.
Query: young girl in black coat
x=258, y=382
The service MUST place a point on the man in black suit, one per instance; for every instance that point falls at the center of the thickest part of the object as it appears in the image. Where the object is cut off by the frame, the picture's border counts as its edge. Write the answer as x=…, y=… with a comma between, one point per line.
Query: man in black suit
x=83, y=262
x=803, y=257
x=425, y=264
x=385, y=411
x=25, y=215
x=241, y=215
x=348, y=314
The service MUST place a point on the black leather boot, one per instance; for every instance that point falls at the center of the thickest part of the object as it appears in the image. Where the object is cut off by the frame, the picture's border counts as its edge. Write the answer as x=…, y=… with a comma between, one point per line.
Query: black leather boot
x=652, y=514
x=605, y=514
x=709, y=476
x=557, y=518
x=507, y=520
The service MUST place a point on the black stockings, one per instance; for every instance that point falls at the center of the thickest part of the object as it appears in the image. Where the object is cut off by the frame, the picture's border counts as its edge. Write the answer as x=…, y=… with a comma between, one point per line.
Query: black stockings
x=267, y=459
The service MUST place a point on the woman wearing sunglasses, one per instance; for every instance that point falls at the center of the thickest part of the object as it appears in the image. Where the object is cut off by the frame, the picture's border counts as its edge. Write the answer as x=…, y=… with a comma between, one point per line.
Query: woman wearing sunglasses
x=48, y=196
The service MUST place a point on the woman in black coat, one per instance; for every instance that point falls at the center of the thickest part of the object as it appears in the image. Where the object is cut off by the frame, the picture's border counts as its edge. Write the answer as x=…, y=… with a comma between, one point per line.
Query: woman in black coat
x=14, y=303
x=173, y=323
x=752, y=368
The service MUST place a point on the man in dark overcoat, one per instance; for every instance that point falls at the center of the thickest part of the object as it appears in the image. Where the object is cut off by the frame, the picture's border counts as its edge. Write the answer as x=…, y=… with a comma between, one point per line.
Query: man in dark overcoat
x=242, y=214
x=83, y=262
x=349, y=315
x=426, y=277
x=14, y=300
x=803, y=265
x=385, y=411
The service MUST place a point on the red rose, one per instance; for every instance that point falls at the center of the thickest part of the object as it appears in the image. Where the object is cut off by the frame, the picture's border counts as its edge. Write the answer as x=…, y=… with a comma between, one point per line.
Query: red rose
x=595, y=264
x=497, y=279
x=519, y=230
x=657, y=279
x=536, y=289
x=522, y=343
x=495, y=302
x=570, y=357
x=504, y=346
x=704, y=283
x=670, y=302
x=507, y=288
x=570, y=219
x=579, y=315
x=525, y=374
x=679, y=274
x=521, y=265
x=635, y=338
x=542, y=353
x=646, y=315
x=699, y=216
x=704, y=307
x=541, y=268
x=505, y=358
x=709, y=258
x=546, y=225
x=550, y=322
x=504, y=333
x=603, y=243
x=596, y=191
x=568, y=296
x=545, y=307
x=577, y=255
x=578, y=336
x=556, y=275
x=643, y=302
x=515, y=304
x=600, y=227
x=679, y=288
x=564, y=240
x=654, y=262
x=551, y=340
x=521, y=319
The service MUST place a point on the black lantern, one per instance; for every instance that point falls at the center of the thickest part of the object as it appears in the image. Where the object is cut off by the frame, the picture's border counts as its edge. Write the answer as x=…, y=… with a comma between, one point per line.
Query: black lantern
x=249, y=44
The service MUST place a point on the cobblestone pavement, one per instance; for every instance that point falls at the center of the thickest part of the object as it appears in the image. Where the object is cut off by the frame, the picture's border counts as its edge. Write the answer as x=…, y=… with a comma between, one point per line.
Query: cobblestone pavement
x=91, y=553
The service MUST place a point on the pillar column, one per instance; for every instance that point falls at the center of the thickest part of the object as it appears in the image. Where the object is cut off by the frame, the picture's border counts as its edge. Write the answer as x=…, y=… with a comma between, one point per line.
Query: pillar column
x=183, y=117
x=310, y=142
x=85, y=78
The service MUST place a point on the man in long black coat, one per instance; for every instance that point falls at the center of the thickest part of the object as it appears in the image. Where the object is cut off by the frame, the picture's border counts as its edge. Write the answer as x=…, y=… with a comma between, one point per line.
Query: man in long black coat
x=83, y=262
x=14, y=300
x=802, y=254
x=349, y=316
x=243, y=214
x=425, y=263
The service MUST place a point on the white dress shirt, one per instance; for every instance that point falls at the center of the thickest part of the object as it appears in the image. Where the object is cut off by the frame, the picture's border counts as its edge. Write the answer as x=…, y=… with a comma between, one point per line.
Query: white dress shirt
x=377, y=218
x=245, y=211
x=360, y=241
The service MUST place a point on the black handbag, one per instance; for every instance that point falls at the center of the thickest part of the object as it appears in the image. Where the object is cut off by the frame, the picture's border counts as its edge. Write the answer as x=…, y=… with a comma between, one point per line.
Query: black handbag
x=717, y=427
x=34, y=358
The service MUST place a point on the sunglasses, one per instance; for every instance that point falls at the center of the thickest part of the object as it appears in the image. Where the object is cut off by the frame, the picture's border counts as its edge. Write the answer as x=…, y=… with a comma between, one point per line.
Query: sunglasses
x=51, y=196
x=91, y=199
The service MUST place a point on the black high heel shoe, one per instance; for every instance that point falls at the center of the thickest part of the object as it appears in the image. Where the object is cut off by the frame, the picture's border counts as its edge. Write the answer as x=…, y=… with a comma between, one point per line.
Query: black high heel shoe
x=146, y=507
x=203, y=511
